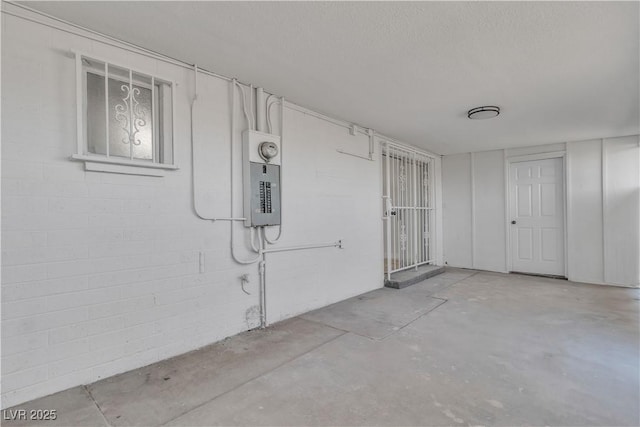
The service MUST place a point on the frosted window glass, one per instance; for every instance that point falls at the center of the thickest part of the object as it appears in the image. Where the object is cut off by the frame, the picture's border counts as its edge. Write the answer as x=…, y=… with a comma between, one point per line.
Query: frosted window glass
x=130, y=118
x=95, y=114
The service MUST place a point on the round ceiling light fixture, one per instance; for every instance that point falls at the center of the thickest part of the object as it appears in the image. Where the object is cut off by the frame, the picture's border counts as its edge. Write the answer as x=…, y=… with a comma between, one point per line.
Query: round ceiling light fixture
x=486, y=112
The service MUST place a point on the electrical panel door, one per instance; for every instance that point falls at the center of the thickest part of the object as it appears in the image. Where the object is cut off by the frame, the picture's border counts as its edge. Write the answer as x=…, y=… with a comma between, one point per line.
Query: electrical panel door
x=261, y=178
x=265, y=194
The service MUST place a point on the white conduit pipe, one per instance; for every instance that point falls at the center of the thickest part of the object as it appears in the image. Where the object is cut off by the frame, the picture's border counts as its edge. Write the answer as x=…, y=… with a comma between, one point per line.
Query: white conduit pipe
x=234, y=83
x=269, y=105
x=262, y=238
x=337, y=244
x=97, y=36
x=244, y=103
x=266, y=238
x=372, y=149
x=262, y=266
x=260, y=110
x=193, y=173
x=252, y=106
x=253, y=240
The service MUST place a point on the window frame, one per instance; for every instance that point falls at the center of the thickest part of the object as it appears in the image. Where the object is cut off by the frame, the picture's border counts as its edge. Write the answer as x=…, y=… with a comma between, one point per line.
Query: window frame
x=164, y=140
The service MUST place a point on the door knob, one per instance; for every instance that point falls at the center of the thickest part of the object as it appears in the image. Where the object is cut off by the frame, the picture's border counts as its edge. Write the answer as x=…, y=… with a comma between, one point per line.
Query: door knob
x=513, y=222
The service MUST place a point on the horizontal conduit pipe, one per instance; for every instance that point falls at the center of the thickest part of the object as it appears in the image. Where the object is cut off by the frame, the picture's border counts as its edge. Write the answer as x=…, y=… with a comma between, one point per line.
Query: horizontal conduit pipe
x=356, y=155
x=361, y=129
x=337, y=244
x=100, y=37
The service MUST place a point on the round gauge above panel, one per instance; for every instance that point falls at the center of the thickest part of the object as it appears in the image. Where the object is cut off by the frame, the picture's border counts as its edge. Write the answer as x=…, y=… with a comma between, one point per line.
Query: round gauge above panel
x=268, y=150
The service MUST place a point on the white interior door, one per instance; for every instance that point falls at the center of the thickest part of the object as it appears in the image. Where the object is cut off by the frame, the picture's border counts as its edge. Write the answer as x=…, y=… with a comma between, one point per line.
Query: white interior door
x=536, y=197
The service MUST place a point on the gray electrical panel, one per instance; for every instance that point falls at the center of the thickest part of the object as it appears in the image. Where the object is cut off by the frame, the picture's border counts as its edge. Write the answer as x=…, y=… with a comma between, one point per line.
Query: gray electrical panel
x=265, y=194
x=261, y=178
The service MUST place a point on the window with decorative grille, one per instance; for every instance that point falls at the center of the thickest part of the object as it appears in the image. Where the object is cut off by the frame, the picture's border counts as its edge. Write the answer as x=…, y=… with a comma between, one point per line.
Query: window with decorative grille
x=124, y=116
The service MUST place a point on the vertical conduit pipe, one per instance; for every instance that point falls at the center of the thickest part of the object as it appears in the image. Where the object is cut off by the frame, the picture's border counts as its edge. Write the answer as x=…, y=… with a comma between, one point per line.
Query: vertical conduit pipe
x=260, y=109
x=193, y=173
x=268, y=109
x=262, y=266
x=253, y=240
x=244, y=103
x=252, y=106
x=234, y=83
x=372, y=149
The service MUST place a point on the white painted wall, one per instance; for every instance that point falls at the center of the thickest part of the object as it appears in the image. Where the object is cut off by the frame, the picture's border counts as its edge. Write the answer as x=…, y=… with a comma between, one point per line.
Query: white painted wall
x=101, y=271
x=488, y=211
x=621, y=210
x=602, y=226
x=456, y=208
x=584, y=181
x=327, y=196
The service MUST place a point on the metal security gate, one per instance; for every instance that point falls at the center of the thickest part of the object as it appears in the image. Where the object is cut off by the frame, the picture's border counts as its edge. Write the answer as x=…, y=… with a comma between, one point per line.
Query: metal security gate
x=408, y=208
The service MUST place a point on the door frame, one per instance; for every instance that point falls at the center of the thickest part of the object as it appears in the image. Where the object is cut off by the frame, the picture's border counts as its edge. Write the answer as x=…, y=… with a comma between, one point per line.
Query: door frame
x=508, y=160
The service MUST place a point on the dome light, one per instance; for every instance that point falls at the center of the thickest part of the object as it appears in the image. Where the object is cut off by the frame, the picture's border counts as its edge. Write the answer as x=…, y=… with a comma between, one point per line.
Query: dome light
x=481, y=113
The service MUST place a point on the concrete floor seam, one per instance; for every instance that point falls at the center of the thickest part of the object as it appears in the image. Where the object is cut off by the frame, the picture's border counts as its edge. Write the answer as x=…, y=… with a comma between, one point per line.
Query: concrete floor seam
x=86, y=389
x=355, y=333
x=254, y=378
x=389, y=334
x=414, y=320
x=337, y=329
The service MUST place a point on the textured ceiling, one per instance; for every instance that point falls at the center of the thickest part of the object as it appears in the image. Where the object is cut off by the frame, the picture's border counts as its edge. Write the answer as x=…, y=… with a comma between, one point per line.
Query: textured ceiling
x=560, y=71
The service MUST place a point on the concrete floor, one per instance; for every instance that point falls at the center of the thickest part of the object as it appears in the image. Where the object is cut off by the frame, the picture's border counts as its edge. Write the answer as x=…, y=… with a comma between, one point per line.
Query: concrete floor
x=462, y=348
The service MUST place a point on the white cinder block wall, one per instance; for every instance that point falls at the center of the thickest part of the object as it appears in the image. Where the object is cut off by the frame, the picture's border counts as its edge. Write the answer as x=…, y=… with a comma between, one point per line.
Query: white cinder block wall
x=603, y=209
x=101, y=272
